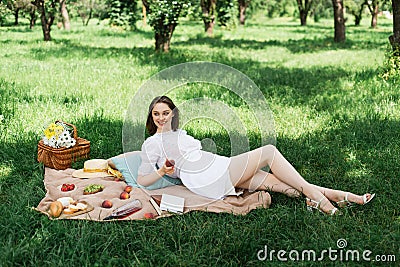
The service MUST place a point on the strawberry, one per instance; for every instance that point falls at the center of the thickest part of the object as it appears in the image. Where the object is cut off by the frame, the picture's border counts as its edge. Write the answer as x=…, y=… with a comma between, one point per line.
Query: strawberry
x=64, y=188
x=67, y=187
x=70, y=187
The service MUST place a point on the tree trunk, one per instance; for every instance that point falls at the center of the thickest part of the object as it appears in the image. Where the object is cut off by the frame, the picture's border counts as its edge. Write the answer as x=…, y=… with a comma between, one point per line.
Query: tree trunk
x=395, y=38
x=16, y=16
x=32, y=19
x=46, y=18
x=46, y=27
x=303, y=10
x=340, y=28
x=163, y=38
x=144, y=12
x=242, y=11
x=373, y=7
x=357, y=20
x=208, y=9
x=209, y=27
x=65, y=15
x=358, y=15
x=89, y=17
x=303, y=18
x=374, y=19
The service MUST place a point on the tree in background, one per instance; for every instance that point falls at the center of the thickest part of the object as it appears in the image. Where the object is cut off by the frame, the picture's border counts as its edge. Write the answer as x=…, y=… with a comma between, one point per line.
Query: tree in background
x=226, y=12
x=279, y=8
x=65, y=15
x=243, y=4
x=31, y=10
x=123, y=13
x=84, y=8
x=355, y=8
x=391, y=65
x=395, y=37
x=304, y=9
x=208, y=8
x=339, y=22
x=88, y=9
x=373, y=7
x=163, y=17
x=4, y=12
x=322, y=9
x=47, y=10
x=16, y=7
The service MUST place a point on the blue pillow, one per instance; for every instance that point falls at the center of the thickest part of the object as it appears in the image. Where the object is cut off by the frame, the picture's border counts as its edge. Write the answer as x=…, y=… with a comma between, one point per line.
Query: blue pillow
x=129, y=164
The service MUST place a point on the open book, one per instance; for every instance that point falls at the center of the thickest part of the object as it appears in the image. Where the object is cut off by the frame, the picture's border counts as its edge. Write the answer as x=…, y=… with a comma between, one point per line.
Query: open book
x=172, y=203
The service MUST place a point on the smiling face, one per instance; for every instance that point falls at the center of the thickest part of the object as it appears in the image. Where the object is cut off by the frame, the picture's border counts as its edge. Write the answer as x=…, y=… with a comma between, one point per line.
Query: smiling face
x=162, y=117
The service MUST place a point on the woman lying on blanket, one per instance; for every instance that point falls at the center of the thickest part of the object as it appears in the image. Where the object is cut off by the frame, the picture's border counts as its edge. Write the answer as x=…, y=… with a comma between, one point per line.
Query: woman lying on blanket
x=215, y=176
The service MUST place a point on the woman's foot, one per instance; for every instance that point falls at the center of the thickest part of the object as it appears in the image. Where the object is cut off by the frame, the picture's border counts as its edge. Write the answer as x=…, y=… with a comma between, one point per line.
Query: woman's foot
x=350, y=199
x=322, y=206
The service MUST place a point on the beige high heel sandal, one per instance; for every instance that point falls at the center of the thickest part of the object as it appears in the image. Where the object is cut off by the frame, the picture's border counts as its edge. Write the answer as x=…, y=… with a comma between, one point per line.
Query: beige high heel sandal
x=346, y=203
x=316, y=205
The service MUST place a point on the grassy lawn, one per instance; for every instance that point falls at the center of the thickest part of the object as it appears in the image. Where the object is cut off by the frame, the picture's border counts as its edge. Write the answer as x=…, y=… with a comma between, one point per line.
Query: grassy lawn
x=336, y=121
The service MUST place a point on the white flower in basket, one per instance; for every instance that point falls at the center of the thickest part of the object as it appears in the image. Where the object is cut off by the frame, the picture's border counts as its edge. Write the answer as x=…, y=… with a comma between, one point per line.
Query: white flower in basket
x=58, y=135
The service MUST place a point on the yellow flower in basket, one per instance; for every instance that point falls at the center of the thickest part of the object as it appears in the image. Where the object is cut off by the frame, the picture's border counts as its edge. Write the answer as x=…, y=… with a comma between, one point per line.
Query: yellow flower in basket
x=58, y=135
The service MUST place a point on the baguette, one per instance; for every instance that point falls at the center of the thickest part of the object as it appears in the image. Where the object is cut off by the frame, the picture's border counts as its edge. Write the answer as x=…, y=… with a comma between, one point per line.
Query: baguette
x=69, y=211
x=74, y=208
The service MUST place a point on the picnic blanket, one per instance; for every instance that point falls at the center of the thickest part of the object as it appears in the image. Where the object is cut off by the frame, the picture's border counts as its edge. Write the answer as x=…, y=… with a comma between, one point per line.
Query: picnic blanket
x=53, y=179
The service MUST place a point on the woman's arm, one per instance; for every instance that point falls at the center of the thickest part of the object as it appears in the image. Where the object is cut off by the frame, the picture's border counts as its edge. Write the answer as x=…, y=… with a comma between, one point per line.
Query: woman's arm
x=150, y=154
x=146, y=180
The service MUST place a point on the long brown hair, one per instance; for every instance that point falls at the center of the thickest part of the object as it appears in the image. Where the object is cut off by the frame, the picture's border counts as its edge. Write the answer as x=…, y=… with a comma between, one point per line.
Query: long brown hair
x=150, y=125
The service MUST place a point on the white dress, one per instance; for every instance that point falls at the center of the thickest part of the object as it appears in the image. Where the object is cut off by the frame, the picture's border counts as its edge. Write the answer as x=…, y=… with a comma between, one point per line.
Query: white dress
x=202, y=172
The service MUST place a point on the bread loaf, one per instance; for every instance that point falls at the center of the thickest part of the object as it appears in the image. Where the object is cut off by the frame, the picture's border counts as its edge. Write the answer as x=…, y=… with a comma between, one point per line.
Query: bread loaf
x=55, y=209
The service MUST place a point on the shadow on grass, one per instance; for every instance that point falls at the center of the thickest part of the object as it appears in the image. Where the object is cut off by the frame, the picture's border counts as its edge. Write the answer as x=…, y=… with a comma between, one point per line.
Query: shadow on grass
x=293, y=24
x=20, y=42
x=294, y=46
x=112, y=33
x=16, y=28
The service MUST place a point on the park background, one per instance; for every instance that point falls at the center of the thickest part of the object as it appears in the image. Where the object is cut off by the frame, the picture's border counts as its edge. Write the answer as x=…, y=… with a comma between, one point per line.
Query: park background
x=335, y=105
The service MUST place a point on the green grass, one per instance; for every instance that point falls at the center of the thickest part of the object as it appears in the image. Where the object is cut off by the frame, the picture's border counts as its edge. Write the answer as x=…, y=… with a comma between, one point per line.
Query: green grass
x=335, y=119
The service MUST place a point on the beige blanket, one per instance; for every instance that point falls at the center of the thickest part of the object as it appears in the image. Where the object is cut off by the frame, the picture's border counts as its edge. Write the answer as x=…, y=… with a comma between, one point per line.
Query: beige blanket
x=53, y=179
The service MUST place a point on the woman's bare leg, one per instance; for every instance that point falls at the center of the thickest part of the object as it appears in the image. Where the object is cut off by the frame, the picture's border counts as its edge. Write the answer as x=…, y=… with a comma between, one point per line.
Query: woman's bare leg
x=245, y=173
x=244, y=167
x=267, y=181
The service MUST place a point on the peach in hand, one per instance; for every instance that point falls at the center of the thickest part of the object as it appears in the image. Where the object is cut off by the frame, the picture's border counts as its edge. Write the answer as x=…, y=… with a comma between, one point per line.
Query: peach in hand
x=170, y=163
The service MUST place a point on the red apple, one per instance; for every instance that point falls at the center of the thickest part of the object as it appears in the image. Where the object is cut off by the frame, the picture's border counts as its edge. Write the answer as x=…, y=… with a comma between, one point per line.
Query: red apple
x=149, y=215
x=170, y=163
x=107, y=204
x=124, y=195
x=128, y=188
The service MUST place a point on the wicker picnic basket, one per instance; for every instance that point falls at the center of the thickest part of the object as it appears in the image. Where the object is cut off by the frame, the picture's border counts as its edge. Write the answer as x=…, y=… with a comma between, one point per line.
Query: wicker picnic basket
x=62, y=158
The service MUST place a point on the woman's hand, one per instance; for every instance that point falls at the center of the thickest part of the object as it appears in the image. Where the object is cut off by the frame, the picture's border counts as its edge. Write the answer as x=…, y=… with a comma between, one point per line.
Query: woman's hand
x=167, y=168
